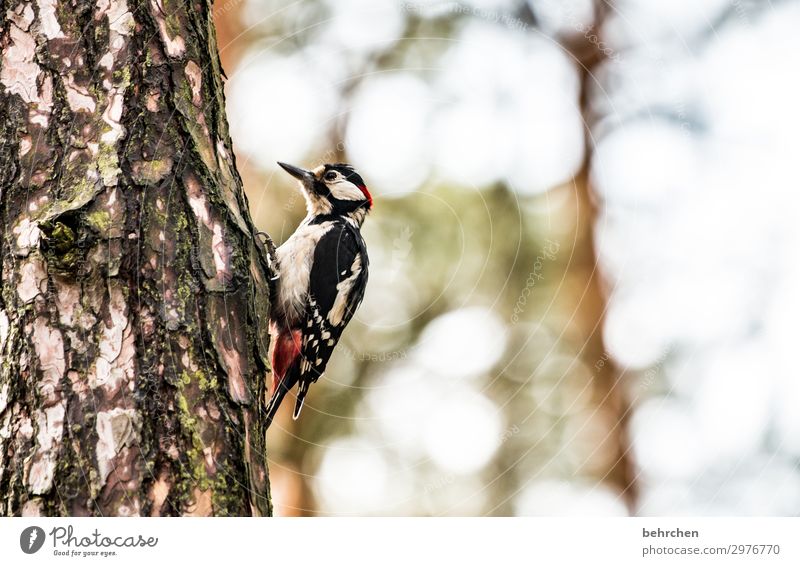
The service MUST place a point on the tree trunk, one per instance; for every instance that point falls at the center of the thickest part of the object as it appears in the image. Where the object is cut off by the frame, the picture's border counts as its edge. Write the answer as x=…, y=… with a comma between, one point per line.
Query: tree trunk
x=621, y=470
x=133, y=333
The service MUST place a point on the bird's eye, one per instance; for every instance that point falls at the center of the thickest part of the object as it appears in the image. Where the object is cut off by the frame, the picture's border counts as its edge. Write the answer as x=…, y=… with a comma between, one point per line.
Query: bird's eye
x=330, y=176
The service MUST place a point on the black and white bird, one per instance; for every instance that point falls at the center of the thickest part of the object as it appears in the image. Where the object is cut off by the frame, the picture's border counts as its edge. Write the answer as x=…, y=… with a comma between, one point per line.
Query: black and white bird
x=322, y=272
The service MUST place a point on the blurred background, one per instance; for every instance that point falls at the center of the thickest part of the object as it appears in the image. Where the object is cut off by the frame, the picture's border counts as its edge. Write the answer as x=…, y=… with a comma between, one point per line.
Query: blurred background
x=584, y=250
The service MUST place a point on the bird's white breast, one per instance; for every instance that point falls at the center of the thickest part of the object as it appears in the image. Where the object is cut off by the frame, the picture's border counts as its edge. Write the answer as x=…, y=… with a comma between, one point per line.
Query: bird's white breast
x=295, y=259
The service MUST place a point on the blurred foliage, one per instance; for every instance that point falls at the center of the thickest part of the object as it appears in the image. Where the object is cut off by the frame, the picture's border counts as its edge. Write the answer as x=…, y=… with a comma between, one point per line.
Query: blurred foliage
x=469, y=380
x=584, y=265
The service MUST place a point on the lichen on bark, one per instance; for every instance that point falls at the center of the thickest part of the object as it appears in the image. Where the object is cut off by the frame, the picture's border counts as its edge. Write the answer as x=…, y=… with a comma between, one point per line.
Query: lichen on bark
x=134, y=297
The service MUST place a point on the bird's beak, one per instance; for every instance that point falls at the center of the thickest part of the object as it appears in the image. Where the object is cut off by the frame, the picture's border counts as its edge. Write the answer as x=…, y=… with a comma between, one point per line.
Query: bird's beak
x=302, y=175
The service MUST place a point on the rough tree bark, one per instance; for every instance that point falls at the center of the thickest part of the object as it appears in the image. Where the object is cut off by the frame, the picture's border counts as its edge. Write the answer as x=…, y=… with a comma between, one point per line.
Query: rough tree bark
x=133, y=343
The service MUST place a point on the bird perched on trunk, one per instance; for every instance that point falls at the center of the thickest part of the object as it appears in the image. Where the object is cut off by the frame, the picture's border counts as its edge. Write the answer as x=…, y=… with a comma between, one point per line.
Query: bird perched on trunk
x=322, y=274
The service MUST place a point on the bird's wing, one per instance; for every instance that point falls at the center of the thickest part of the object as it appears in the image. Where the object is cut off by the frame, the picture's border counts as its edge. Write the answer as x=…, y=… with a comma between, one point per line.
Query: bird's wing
x=338, y=278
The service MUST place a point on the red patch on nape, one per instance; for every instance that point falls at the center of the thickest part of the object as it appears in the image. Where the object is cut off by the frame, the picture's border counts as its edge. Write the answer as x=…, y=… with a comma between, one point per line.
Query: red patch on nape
x=287, y=349
x=366, y=194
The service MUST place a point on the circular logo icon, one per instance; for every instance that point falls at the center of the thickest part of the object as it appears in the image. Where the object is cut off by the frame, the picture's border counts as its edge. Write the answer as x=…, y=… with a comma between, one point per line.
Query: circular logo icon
x=31, y=539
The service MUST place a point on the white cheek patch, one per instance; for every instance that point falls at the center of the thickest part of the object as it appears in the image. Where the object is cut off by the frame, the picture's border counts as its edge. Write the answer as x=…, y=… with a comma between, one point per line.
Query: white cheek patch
x=345, y=190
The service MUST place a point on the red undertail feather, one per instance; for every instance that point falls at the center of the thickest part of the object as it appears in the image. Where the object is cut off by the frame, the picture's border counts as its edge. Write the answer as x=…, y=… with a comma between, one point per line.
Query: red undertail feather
x=284, y=357
x=287, y=348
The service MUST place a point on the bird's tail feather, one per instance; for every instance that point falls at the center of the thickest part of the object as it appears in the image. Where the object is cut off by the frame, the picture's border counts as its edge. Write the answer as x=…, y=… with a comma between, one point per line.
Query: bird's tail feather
x=282, y=388
x=302, y=390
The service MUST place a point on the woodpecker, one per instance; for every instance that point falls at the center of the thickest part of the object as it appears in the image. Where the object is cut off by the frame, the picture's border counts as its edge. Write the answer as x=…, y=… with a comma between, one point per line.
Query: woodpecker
x=322, y=274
